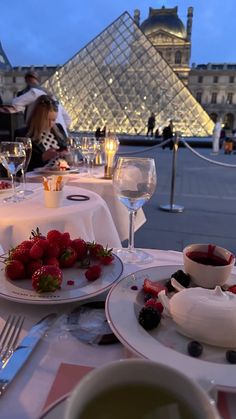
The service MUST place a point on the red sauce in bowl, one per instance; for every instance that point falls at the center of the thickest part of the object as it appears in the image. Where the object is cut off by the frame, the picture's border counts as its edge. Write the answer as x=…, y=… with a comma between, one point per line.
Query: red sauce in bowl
x=207, y=258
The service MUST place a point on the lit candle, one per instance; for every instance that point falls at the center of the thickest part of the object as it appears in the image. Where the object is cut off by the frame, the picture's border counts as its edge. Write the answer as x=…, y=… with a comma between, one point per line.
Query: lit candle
x=111, y=145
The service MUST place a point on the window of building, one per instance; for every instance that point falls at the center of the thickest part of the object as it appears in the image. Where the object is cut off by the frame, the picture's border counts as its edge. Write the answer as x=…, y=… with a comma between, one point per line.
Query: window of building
x=230, y=98
x=215, y=79
x=200, y=79
x=199, y=97
x=231, y=79
x=214, y=98
x=178, y=57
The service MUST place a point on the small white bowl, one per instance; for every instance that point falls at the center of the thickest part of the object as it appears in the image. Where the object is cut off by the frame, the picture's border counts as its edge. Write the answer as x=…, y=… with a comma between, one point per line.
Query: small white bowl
x=143, y=372
x=207, y=275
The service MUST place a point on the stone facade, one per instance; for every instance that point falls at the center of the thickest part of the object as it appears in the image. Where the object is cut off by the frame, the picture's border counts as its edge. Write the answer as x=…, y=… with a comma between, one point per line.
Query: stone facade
x=214, y=86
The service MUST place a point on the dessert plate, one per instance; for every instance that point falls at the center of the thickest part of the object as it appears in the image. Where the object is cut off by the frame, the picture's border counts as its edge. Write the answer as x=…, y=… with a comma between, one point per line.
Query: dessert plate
x=164, y=343
x=47, y=171
x=80, y=289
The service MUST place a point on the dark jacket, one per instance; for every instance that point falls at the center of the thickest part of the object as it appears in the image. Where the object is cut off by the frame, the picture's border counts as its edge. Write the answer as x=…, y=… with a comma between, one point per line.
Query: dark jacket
x=38, y=149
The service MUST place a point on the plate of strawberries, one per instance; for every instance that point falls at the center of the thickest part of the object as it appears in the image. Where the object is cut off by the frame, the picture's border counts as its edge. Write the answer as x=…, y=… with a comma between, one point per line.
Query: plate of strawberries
x=55, y=268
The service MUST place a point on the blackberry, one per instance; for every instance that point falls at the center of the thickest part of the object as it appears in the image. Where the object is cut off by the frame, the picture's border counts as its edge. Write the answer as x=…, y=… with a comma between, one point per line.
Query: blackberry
x=231, y=357
x=169, y=286
x=182, y=278
x=195, y=348
x=149, y=318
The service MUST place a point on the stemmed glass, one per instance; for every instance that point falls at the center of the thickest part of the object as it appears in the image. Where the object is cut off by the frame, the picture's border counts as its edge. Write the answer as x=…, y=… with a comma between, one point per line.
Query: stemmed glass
x=12, y=157
x=28, y=151
x=89, y=149
x=134, y=180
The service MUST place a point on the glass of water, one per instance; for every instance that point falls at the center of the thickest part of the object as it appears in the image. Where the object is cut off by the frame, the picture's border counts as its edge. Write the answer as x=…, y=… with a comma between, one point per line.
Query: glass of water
x=12, y=157
x=134, y=180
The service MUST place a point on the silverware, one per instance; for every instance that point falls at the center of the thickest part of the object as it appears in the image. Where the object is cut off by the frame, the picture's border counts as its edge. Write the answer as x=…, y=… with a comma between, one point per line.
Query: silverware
x=9, y=337
x=23, y=351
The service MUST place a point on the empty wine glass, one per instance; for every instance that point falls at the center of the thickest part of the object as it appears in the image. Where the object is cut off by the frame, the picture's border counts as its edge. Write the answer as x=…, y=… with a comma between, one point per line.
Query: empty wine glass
x=28, y=151
x=134, y=180
x=12, y=157
x=89, y=148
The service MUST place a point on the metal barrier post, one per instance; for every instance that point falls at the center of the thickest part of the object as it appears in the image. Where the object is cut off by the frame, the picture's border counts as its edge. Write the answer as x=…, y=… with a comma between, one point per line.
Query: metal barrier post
x=171, y=207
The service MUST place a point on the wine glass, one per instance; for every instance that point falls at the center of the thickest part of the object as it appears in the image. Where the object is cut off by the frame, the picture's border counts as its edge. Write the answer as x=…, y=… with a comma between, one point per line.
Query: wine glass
x=134, y=180
x=12, y=157
x=28, y=151
x=89, y=148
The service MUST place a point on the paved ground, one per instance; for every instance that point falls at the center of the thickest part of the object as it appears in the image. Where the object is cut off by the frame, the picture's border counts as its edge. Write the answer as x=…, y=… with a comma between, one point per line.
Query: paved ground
x=206, y=190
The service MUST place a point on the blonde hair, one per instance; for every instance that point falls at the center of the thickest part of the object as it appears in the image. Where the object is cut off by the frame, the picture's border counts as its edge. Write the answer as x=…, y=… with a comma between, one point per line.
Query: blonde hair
x=39, y=115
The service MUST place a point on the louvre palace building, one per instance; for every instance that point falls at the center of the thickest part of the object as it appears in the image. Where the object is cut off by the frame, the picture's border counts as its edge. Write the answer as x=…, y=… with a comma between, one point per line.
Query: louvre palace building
x=136, y=66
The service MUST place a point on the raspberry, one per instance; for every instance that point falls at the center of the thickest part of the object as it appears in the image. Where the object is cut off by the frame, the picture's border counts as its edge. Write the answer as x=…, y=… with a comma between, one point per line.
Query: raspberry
x=152, y=302
x=93, y=272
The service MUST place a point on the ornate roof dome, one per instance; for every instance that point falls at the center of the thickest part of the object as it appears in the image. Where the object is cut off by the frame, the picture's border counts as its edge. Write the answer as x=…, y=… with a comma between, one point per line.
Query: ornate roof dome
x=165, y=19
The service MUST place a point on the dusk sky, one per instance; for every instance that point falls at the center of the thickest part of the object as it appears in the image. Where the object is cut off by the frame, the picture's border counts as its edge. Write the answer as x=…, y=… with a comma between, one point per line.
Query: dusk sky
x=50, y=32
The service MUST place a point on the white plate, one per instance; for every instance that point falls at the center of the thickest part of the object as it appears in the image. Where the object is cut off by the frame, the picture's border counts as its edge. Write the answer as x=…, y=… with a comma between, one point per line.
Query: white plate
x=163, y=344
x=22, y=292
x=8, y=190
x=48, y=171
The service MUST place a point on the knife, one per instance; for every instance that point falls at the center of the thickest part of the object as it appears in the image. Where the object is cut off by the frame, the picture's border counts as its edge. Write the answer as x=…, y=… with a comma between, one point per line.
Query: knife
x=23, y=351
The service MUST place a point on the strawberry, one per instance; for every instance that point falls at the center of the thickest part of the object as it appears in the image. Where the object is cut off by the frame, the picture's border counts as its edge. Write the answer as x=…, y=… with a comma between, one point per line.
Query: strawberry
x=15, y=269
x=81, y=248
x=68, y=257
x=52, y=260
x=93, y=272
x=36, y=251
x=65, y=240
x=47, y=279
x=106, y=259
x=152, y=302
x=152, y=287
x=33, y=266
x=20, y=253
x=232, y=289
x=53, y=250
x=54, y=236
x=35, y=235
x=95, y=249
x=26, y=244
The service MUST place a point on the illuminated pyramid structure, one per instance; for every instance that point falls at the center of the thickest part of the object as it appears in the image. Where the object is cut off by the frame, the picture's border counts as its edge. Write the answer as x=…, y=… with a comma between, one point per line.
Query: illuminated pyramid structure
x=118, y=79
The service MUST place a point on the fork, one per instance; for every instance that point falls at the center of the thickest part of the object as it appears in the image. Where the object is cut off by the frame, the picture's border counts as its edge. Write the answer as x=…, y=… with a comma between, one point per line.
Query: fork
x=9, y=337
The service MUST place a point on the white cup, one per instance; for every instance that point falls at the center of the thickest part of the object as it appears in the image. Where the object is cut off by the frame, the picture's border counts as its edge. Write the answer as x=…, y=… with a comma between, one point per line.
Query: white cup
x=147, y=373
x=53, y=199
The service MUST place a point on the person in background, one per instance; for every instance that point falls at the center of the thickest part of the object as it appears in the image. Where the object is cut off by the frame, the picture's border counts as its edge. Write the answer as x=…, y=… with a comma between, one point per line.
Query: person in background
x=24, y=101
x=31, y=80
x=167, y=134
x=49, y=140
x=151, y=124
x=98, y=134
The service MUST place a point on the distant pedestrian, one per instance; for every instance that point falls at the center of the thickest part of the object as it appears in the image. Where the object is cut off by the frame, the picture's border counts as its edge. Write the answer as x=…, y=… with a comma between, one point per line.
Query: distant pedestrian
x=216, y=136
x=151, y=124
x=167, y=134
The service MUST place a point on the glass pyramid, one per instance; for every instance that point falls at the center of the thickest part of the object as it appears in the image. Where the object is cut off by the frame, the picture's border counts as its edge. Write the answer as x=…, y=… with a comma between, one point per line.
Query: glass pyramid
x=118, y=79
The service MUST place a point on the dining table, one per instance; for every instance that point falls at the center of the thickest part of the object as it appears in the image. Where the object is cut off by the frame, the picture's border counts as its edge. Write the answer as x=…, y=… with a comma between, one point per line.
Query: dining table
x=80, y=214
x=104, y=187
x=41, y=388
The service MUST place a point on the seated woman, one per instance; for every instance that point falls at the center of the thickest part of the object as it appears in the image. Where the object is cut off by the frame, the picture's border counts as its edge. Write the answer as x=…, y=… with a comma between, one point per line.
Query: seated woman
x=49, y=140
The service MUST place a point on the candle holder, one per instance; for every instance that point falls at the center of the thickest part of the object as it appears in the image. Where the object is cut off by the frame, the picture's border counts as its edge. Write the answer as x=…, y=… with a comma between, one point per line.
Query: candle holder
x=111, y=145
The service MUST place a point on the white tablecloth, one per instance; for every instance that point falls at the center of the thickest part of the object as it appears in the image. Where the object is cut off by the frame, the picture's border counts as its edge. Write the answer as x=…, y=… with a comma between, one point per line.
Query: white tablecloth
x=105, y=189
x=25, y=397
x=79, y=218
